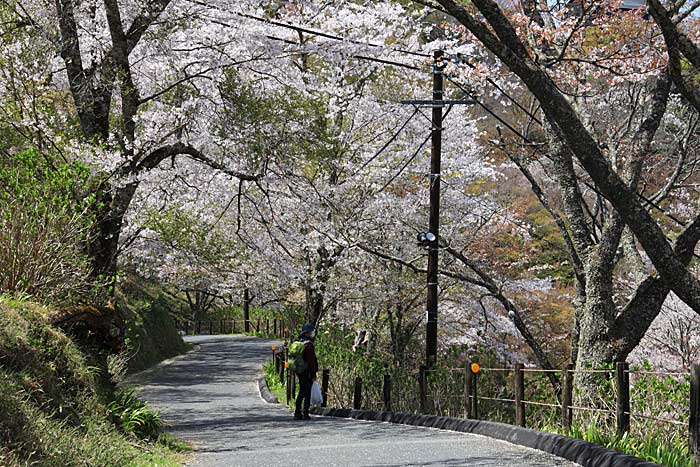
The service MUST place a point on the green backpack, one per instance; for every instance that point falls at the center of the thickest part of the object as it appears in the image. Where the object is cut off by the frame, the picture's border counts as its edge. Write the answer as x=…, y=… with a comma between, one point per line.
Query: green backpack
x=295, y=358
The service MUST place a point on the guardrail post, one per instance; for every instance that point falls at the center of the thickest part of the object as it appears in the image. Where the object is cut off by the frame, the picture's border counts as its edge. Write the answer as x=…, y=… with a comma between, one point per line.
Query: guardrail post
x=468, y=376
x=422, y=388
x=622, y=412
x=519, y=389
x=187, y=327
x=357, y=396
x=199, y=327
x=211, y=327
x=694, y=419
x=267, y=326
x=257, y=326
x=386, y=390
x=567, y=397
x=325, y=376
x=274, y=326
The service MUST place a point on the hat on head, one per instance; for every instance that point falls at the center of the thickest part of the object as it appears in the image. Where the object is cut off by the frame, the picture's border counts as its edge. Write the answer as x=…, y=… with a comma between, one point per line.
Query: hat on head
x=308, y=327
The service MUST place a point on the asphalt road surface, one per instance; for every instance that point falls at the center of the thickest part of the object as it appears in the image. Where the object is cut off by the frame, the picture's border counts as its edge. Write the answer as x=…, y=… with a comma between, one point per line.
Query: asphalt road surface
x=210, y=398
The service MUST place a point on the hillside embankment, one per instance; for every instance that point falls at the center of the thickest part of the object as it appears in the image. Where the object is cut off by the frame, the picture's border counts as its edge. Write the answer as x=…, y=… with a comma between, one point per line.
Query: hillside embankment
x=57, y=397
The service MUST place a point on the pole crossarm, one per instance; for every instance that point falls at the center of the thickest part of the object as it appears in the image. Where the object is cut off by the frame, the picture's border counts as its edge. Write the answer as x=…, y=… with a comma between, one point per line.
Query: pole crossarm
x=438, y=102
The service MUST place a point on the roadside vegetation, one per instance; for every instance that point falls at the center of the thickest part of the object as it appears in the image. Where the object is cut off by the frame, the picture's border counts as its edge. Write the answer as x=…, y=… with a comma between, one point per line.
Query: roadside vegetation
x=57, y=407
x=662, y=444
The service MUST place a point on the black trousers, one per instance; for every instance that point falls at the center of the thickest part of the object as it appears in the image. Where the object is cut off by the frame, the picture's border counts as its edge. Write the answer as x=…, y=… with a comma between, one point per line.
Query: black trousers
x=304, y=395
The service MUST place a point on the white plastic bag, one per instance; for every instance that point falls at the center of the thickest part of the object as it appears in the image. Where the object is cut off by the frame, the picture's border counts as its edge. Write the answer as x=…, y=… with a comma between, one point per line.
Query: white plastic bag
x=316, y=396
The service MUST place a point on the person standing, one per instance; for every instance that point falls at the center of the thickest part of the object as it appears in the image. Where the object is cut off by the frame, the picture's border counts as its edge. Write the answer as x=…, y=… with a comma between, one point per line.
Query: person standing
x=308, y=375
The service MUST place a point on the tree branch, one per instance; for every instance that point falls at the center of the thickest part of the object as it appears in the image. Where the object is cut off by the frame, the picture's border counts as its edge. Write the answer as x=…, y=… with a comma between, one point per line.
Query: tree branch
x=153, y=159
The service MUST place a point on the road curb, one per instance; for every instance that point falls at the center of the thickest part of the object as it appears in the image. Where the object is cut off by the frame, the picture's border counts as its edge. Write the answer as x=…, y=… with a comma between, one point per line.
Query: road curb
x=582, y=452
x=265, y=393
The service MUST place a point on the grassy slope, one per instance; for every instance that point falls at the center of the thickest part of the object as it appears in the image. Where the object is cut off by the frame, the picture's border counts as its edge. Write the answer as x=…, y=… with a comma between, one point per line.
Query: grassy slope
x=52, y=410
x=151, y=332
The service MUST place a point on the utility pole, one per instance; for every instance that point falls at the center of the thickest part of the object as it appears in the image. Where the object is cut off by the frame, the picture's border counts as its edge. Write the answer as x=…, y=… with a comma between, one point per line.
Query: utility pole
x=431, y=239
x=434, y=223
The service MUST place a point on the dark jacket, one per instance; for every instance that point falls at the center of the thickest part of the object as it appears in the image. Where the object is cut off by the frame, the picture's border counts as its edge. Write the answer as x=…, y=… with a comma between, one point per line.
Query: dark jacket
x=309, y=356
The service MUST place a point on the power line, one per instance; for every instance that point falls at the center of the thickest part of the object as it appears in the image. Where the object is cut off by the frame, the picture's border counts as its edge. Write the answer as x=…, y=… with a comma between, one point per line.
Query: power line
x=329, y=36
x=404, y=65
x=315, y=32
x=490, y=112
x=291, y=42
x=460, y=58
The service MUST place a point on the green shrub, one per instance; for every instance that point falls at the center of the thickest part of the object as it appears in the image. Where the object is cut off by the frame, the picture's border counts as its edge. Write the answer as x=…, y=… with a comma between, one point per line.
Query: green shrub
x=44, y=224
x=133, y=415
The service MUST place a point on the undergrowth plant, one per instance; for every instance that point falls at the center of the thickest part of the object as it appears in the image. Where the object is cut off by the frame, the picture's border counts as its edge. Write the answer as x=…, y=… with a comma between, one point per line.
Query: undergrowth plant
x=673, y=454
x=133, y=415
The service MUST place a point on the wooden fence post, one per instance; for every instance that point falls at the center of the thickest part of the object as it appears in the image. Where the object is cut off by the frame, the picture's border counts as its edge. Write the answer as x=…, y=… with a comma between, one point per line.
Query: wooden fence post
x=468, y=376
x=519, y=389
x=257, y=326
x=274, y=326
x=357, y=396
x=475, y=395
x=267, y=326
x=423, y=390
x=694, y=419
x=187, y=327
x=622, y=380
x=324, y=386
x=276, y=358
x=199, y=327
x=293, y=390
x=282, y=360
x=221, y=327
x=567, y=397
x=386, y=391
x=288, y=387
x=211, y=327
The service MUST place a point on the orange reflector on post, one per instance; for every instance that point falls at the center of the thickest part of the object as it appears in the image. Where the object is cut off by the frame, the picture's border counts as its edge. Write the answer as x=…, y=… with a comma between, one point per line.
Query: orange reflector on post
x=279, y=318
x=286, y=329
x=475, y=368
x=274, y=347
x=286, y=364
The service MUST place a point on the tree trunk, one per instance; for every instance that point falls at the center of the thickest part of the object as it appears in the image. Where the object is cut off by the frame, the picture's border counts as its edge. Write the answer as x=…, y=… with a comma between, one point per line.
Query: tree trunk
x=103, y=245
x=314, y=304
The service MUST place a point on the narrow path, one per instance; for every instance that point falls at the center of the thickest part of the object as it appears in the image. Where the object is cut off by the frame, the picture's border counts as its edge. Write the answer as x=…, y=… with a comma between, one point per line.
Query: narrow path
x=210, y=398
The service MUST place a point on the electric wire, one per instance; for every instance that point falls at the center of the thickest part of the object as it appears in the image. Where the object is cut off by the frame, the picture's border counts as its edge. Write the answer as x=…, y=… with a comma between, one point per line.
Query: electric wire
x=488, y=110
x=378, y=60
x=314, y=32
x=450, y=79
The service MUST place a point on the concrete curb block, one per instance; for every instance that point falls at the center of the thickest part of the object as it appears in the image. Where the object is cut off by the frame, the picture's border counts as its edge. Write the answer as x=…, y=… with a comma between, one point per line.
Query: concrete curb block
x=575, y=450
x=265, y=393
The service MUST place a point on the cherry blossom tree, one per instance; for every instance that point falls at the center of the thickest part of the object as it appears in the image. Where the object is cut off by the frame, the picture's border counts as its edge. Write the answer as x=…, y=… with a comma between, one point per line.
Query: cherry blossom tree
x=600, y=87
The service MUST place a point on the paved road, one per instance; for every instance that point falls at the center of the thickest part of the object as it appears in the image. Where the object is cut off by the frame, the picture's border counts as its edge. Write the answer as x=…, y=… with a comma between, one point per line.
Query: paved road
x=210, y=398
